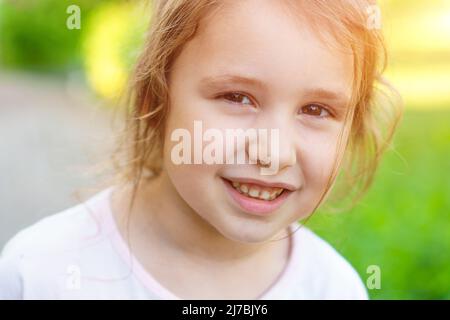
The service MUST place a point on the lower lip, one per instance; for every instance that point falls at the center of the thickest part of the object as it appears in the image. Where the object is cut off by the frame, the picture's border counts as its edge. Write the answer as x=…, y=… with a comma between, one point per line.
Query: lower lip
x=256, y=206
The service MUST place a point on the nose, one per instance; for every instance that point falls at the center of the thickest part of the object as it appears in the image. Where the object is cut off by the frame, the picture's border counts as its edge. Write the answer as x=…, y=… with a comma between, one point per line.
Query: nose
x=278, y=143
x=287, y=155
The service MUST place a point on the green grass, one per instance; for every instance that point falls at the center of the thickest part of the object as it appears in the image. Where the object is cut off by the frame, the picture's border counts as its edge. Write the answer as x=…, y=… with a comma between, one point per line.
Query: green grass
x=403, y=223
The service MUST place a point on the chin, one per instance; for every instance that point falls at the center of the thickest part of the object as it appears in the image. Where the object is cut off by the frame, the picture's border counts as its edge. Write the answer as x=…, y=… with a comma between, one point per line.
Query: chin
x=247, y=231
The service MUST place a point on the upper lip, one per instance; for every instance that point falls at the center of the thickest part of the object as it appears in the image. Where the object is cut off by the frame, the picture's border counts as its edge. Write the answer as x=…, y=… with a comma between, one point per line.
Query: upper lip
x=283, y=185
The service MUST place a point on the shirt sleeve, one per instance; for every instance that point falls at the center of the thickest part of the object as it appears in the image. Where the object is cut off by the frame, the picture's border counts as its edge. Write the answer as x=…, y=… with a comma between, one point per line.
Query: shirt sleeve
x=10, y=280
x=358, y=290
x=348, y=285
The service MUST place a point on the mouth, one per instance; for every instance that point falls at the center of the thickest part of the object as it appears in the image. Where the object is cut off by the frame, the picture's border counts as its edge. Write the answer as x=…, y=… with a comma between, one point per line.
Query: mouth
x=256, y=198
x=257, y=191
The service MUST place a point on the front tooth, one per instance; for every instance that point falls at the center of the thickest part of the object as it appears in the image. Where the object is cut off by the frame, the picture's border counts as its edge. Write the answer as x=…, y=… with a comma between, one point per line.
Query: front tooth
x=244, y=188
x=254, y=192
x=265, y=195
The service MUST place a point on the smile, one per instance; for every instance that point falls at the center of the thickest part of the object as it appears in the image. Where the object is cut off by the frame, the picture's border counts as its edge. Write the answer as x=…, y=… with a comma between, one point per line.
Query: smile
x=256, y=191
x=255, y=197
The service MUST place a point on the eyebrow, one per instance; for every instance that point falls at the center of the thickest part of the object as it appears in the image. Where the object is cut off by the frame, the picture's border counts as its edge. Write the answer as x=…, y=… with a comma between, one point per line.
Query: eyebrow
x=322, y=93
x=217, y=81
x=309, y=93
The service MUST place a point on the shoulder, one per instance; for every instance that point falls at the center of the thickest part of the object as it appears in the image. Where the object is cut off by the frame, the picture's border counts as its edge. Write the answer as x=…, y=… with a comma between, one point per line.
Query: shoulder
x=47, y=249
x=326, y=273
x=55, y=233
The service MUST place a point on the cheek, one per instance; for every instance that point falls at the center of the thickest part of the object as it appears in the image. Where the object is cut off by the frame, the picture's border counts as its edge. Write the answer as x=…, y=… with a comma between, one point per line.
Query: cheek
x=318, y=159
x=190, y=180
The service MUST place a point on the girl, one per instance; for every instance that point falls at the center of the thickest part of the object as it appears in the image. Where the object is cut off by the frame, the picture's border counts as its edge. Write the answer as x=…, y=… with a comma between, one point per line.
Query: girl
x=308, y=71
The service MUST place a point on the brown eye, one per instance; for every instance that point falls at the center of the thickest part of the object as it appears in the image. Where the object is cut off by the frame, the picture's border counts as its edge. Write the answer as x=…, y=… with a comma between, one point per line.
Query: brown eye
x=315, y=110
x=236, y=97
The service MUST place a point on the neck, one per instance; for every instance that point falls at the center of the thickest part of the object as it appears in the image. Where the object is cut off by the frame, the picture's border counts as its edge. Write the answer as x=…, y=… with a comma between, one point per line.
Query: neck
x=164, y=217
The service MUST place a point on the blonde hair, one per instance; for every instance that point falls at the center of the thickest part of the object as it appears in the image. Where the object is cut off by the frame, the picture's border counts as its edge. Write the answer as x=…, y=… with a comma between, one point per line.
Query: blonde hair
x=370, y=122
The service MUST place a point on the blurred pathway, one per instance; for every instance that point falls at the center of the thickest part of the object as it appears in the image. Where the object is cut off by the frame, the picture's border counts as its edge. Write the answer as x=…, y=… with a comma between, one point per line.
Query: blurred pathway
x=50, y=132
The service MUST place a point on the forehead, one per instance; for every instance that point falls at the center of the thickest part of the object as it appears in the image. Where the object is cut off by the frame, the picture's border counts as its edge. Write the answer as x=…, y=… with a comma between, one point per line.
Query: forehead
x=267, y=40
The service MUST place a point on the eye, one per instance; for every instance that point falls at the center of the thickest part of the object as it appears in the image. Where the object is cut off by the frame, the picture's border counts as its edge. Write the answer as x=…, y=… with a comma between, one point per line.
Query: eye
x=237, y=98
x=315, y=110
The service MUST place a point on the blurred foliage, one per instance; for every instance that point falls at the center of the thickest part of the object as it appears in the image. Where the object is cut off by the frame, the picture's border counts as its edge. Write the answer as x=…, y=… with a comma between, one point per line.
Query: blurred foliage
x=34, y=36
x=418, y=37
x=403, y=224
x=110, y=48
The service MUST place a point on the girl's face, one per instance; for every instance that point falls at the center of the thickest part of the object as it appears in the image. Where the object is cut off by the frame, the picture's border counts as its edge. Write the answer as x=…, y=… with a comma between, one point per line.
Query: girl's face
x=255, y=65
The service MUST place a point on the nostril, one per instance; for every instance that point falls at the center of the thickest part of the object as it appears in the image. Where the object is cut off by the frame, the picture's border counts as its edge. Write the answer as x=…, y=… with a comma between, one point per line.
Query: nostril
x=264, y=163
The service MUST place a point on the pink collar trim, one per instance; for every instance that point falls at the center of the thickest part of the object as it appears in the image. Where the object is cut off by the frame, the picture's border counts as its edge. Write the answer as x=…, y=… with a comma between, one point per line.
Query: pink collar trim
x=154, y=285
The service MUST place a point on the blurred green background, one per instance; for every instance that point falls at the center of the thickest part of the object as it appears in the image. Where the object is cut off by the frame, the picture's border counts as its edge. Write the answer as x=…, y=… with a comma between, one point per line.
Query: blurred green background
x=402, y=225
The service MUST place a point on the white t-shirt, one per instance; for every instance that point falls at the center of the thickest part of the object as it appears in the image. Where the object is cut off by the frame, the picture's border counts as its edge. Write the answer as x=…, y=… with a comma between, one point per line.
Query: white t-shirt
x=79, y=254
